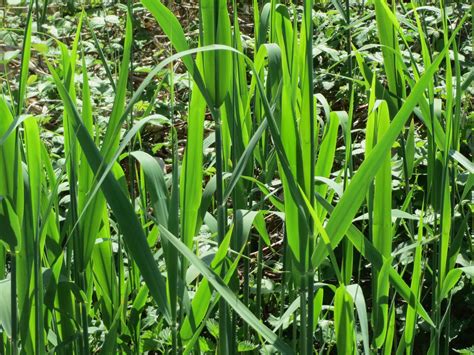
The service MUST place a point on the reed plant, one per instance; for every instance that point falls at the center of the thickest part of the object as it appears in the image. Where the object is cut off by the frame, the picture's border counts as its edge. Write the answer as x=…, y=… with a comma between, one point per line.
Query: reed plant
x=361, y=242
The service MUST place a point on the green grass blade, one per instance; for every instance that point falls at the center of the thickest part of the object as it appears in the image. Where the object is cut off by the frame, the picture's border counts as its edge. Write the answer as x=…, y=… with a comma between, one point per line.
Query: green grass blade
x=416, y=283
x=232, y=299
x=5, y=306
x=25, y=61
x=344, y=321
x=112, y=135
x=120, y=204
x=203, y=294
x=11, y=179
x=349, y=204
x=382, y=225
x=358, y=296
x=191, y=178
x=368, y=251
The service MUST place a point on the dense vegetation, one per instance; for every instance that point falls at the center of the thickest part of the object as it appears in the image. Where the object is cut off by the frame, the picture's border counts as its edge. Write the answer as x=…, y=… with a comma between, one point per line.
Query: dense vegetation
x=236, y=176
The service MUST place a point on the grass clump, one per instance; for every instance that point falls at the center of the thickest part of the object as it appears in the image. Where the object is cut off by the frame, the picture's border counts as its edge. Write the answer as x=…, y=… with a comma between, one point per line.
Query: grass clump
x=318, y=200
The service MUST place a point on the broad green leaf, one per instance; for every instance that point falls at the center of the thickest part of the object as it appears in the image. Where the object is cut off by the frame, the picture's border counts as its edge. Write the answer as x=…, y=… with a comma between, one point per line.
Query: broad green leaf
x=452, y=279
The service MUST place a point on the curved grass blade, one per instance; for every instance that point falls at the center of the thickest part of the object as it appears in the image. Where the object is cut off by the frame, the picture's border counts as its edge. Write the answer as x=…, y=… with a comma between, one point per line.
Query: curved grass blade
x=224, y=291
x=121, y=206
x=358, y=296
x=342, y=216
x=344, y=321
